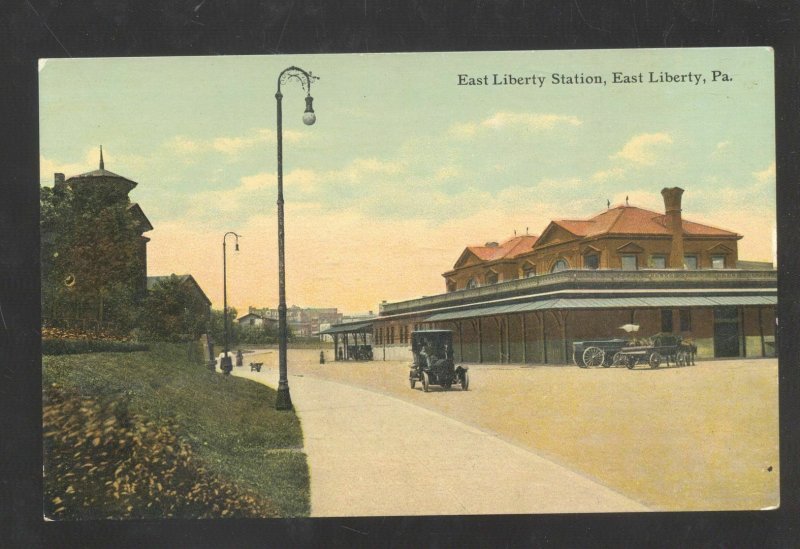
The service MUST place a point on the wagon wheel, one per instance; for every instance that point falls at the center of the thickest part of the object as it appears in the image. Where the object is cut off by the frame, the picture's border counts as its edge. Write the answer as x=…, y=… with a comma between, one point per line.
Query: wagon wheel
x=593, y=356
x=577, y=359
x=655, y=359
x=619, y=359
x=412, y=380
x=464, y=381
x=425, y=381
x=631, y=362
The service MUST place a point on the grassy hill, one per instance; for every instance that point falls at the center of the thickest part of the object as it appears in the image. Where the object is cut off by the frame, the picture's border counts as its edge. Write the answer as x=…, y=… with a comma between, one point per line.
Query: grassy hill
x=157, y=434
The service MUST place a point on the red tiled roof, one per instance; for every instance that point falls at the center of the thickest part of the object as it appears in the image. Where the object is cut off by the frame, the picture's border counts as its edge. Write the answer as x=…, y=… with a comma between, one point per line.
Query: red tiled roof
x=509, y=249
x=633, y=220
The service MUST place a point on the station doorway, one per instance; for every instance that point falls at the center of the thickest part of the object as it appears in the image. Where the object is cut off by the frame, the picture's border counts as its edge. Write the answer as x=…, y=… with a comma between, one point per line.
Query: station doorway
x=726, y=332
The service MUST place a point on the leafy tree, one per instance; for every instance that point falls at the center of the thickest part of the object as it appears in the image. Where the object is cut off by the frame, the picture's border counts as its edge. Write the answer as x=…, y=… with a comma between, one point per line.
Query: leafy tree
x=91, y=254
x=217, y=327
x=173, y=312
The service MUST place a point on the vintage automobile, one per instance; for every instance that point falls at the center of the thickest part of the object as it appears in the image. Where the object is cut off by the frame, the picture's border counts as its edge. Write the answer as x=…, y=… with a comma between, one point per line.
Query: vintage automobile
x=433, y=361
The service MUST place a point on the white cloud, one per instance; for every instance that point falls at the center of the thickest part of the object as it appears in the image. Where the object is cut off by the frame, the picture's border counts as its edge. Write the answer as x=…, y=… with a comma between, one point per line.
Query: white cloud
x=231, y=145
x=642, y=149
x=606, y=175
x=504, y=119
x=766, y=176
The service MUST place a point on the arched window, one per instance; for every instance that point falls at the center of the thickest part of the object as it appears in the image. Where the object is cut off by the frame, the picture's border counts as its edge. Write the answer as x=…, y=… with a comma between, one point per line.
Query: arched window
x=491, y=277
x=528, y=270
x=560, y=265
x=472, y=283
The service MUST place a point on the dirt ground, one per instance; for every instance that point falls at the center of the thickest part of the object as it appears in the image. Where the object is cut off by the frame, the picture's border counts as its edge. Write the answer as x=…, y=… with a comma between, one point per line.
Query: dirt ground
x=702, y=437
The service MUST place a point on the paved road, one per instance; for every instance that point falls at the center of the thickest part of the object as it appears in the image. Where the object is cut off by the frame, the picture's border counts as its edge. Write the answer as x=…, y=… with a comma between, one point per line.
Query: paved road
x=373, y=454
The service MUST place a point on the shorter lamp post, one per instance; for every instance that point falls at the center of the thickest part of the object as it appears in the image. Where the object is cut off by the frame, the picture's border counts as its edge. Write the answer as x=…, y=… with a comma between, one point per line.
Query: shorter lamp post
x=225, y=364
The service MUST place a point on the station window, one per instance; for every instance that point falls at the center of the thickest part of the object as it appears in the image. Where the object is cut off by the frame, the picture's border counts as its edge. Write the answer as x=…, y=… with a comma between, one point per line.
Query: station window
x=690, y=261
x=472, y=283
x=666, y=320
x=528, y=270
x=629, y=263
x=560, y=265
x=686, y=320
x=491, y=277
x=658, y=262
x=717, y=261
x=591, y=261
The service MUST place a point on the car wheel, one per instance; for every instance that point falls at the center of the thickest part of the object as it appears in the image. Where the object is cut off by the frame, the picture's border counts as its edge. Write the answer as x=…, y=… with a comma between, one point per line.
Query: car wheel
x=464, y=381
x=593, y=356
x=425, y=381
x=412, y=381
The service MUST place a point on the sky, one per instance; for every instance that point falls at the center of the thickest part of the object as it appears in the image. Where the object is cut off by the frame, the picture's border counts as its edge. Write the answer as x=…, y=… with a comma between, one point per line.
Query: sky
x=405, y=166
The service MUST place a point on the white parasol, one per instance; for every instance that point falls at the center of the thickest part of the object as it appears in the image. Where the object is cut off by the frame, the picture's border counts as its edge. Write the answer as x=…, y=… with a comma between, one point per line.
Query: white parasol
x=630, y=327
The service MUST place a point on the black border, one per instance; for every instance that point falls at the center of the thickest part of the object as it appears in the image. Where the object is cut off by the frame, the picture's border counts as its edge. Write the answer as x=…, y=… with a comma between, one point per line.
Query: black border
x=30, y=29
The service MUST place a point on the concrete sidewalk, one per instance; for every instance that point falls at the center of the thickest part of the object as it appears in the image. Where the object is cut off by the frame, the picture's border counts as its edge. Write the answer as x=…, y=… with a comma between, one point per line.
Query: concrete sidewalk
x=373, y=454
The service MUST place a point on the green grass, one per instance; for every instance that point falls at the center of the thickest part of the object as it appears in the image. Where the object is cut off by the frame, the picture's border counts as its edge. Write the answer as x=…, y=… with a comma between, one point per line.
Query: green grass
x=230, y=423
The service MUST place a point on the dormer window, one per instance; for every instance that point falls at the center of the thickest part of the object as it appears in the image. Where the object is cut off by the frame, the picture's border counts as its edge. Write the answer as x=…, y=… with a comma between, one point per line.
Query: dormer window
x=472, y=283
x=528, y=270
x=559, y=265
x=451, y=285
x=491, y=277
x=591, y=261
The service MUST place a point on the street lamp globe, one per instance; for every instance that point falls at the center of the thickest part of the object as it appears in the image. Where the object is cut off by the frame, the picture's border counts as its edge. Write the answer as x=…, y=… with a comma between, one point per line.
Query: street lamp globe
x=308, y=116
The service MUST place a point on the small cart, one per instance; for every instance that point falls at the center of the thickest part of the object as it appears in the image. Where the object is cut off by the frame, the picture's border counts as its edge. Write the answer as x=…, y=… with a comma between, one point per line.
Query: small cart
x=664, y=348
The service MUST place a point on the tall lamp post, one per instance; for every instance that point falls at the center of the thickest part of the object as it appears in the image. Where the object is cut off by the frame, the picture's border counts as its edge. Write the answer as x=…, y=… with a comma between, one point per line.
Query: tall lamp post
x=283, y=400
x=225, y=364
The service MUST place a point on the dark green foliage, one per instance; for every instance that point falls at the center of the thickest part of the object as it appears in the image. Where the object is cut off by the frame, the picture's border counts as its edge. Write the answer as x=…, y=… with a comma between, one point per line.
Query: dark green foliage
x=92, y=261
x=76, y=346
x=173, y=312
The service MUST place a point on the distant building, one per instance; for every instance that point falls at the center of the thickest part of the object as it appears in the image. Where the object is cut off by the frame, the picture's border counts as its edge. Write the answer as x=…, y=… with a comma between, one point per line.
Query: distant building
x=302, y=321
x=255, y=320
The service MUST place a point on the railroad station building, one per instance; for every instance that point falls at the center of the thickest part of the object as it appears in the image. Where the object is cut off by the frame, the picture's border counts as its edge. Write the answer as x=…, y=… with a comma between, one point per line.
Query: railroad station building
x=528, y=299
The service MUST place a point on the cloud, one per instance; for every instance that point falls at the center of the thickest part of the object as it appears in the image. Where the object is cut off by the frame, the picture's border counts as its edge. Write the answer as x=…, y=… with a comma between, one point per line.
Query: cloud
x=642, y=148
x=508, y=120
x=230, y=145
x=605, y=175
x=766, y=176
x=118, y=163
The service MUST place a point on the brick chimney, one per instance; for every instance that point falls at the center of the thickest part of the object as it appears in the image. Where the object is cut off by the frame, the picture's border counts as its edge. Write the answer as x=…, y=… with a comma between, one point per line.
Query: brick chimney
x=672, y=208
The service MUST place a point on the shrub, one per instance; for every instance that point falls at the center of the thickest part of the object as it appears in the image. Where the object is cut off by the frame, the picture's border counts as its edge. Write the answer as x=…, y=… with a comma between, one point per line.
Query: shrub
x=78, y=346
x=103, y=461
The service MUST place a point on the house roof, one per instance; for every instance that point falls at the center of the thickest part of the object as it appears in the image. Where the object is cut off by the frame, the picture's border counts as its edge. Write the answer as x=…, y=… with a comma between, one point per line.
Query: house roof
x=184, y=278
x=104, y=173
x=631, y=220
x=136, y=210
x=511, y=248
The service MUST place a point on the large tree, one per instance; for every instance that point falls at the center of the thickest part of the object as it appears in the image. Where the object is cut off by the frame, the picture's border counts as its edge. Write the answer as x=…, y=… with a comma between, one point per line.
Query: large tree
x=173, y=311
x=91, y=255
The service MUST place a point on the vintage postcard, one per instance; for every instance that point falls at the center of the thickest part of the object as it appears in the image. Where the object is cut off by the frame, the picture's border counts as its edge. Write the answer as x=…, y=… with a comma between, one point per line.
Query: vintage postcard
x=409, y=284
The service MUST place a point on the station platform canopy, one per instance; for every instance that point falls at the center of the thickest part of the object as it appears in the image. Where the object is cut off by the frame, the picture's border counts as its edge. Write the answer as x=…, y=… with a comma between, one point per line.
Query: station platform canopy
x=605, y=303
x=354, y=328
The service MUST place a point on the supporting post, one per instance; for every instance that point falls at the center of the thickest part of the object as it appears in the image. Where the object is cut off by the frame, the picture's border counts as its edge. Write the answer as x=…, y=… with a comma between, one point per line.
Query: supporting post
x=524, y=340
